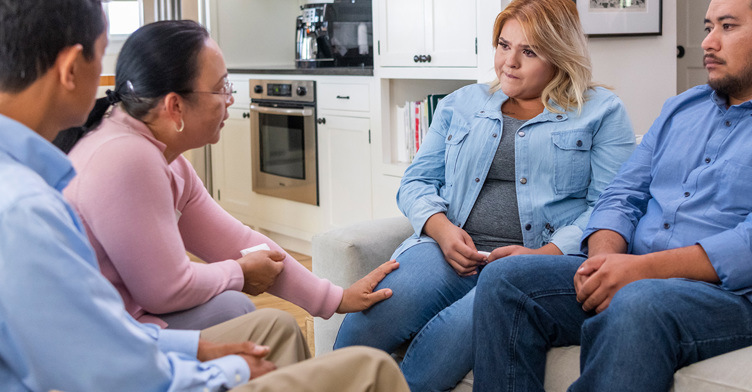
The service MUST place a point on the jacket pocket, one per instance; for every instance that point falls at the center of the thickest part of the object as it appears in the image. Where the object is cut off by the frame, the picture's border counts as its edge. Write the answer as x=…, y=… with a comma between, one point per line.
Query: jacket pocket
x=571, y=160
x=454, y=141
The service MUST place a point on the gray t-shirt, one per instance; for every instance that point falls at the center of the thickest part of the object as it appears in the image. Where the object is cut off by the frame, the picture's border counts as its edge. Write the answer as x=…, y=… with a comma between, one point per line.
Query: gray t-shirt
x=494, y=220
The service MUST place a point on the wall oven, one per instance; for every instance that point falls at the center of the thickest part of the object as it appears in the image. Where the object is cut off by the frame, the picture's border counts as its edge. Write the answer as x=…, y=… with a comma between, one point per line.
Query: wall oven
x=283, y=139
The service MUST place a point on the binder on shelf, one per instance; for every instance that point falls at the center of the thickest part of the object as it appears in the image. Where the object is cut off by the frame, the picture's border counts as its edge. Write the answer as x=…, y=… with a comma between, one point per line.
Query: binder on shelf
x=413, y=122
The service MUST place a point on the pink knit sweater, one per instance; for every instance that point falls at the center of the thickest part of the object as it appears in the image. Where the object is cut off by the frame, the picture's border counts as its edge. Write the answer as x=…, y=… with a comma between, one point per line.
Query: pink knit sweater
x=142, y=215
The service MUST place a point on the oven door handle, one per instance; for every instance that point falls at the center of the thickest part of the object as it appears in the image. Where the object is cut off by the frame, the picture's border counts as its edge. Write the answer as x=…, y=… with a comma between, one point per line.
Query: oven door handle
x=282, y=111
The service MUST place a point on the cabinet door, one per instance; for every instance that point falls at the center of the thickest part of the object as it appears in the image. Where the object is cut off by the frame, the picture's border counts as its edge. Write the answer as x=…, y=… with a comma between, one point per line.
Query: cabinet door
x=231, y=163
x=451, y=33
x=445, y=30
x=403, y=30
x=345, y=169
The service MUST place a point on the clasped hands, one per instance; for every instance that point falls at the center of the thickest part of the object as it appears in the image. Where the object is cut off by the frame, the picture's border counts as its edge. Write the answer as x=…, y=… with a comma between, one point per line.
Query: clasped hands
x=252, y=353
x=601, y=276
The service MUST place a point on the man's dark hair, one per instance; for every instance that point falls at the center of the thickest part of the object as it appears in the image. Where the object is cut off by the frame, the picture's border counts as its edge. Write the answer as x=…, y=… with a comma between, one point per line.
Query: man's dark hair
x=34, y=32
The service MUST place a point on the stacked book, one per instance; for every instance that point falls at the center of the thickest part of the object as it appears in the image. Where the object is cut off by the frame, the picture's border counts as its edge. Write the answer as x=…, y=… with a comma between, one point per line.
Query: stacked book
x=413, y=121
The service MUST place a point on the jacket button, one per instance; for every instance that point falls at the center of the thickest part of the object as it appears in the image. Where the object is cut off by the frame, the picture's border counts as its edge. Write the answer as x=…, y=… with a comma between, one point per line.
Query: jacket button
x=528, y=226
x=477, y=180
x=449, y=137
x=494, y=135
x=666, y=226
x=707, y=160
x=521, y=133
x=523, y=180
x=559, y=117
x=728, y=123
x=579, y=143
x=686, y=194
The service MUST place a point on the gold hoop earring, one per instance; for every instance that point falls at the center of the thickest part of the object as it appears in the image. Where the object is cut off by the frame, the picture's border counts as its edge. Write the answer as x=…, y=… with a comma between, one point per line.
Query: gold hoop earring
x=182, y=125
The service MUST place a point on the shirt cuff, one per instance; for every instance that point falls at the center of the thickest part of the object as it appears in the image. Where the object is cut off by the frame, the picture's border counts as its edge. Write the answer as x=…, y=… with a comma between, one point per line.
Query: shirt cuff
x=180, y=341
x=608, y=220
x=724, y=250
x=235, y=369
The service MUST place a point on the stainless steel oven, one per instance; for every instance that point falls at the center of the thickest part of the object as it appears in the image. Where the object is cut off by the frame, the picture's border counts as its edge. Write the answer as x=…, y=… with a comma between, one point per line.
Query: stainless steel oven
x=283, y=139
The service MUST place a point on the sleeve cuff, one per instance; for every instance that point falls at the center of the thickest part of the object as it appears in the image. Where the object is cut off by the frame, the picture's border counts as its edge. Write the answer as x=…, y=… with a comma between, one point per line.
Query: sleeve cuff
x=725, y=250
x=424, y=208
x=234, y=368
x=180, y=341
x=608, y=220
x=567, y=239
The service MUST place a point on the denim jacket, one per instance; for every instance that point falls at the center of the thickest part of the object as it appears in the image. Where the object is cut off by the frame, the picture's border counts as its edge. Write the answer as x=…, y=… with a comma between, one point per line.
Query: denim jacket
x=562, y=163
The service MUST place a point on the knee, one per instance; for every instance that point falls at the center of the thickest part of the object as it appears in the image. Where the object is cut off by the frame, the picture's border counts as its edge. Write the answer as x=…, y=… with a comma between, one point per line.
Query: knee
x=278, y=320
x=640, y=309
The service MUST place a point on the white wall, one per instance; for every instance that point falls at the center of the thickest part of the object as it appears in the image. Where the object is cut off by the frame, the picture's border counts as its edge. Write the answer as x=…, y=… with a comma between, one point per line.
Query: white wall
x=642, y=70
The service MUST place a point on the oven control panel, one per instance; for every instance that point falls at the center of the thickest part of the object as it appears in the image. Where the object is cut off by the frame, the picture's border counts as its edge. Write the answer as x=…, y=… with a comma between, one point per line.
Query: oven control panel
x=283, y=90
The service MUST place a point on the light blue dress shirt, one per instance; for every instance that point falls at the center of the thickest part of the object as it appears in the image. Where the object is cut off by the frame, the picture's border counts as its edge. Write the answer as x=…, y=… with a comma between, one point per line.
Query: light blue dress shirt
x=562, y=163
x=689, y=182
x=62, y=324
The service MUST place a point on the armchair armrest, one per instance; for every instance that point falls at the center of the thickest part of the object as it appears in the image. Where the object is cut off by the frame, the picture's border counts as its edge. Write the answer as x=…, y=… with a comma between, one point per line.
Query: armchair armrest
x=347, y=254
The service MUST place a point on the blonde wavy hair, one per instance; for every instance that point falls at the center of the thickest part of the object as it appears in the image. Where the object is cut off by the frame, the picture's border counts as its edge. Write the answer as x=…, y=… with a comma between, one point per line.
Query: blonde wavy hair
x=553, y=31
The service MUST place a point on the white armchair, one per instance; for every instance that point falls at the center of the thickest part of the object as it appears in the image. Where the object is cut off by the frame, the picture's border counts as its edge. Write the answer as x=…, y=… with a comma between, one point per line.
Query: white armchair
x=347, y=254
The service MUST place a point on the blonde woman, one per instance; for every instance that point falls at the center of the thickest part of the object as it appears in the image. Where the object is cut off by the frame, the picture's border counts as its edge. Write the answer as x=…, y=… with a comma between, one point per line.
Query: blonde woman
x=509, y=168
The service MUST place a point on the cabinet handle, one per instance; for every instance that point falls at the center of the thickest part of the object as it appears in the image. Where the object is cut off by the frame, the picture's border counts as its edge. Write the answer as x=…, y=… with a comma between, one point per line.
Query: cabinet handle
x=343, y=97
x=321, y=120
x=428, y=58
x=416, y=58
x=246, y=115
x=422, y=58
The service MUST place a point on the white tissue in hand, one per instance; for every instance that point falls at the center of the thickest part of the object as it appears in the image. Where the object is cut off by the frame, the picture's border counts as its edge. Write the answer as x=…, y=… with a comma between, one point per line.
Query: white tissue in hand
x=484, y=253
x=254, y=248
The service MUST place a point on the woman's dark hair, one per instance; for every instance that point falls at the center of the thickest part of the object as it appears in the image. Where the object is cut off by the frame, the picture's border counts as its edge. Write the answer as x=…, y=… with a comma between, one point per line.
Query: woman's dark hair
x=157, y=59
x=33, y=32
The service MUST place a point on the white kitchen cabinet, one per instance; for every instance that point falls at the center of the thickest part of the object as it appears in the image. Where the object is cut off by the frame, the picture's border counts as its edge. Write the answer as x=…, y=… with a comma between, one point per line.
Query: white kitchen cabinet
x=427, y=33
x=344, y=147
x=231, y=164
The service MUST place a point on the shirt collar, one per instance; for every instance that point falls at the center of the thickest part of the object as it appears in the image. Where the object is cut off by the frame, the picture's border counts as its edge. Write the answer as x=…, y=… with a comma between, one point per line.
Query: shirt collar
x=721, y=101
x=33, y=151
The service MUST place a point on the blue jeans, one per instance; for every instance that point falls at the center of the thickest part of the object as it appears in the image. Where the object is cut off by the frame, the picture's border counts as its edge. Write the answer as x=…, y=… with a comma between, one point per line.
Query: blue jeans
x=431, y=305
x=653, y=327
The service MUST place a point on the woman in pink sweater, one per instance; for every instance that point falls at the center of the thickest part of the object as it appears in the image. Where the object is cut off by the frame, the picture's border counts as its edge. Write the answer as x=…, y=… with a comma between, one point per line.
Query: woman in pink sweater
x=143, y=205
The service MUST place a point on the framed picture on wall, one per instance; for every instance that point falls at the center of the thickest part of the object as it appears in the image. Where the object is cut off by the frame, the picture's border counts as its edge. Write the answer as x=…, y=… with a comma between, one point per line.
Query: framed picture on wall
x=604, y=18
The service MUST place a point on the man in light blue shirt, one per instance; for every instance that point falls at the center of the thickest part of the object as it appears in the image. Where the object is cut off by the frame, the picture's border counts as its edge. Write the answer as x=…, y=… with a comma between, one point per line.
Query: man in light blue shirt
x=62, y=324
x=668, y=278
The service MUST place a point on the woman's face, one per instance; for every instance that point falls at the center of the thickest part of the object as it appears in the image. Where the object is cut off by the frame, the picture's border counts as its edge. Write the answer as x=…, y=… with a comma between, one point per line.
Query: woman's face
x=522, y=74
x=206, y=113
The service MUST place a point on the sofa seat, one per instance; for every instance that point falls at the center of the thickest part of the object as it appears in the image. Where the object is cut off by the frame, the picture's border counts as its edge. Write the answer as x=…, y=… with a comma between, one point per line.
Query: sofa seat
x=345, y=255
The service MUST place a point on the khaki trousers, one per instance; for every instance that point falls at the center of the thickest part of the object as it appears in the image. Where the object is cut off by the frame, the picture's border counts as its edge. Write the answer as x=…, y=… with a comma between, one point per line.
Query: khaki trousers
x=353, y=369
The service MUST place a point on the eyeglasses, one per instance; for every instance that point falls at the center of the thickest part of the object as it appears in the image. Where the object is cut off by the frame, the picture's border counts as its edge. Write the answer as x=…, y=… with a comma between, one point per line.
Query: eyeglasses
x=227, y=91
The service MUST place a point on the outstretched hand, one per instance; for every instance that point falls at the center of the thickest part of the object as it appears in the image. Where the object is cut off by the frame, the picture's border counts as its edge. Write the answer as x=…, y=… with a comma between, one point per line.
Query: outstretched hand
x=360, y=295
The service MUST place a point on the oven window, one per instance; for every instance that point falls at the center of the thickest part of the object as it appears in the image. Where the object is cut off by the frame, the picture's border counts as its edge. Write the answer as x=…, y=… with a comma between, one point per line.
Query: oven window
x=282, y=145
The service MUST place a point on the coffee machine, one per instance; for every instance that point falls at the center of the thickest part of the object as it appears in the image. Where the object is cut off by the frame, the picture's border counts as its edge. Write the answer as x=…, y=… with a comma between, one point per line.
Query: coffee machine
x=337, y=34
x=313, y=47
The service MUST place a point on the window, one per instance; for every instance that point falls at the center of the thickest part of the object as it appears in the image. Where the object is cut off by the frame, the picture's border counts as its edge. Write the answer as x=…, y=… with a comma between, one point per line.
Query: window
x=124, y=17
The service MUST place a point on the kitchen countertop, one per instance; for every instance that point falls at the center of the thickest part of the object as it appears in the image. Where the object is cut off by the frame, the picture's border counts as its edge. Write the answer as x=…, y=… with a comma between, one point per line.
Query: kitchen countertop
x=292, y=70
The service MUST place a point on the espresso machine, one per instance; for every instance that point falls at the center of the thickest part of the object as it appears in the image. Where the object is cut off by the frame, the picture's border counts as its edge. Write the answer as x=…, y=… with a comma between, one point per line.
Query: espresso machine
x=313, y=47
x=337, y=34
